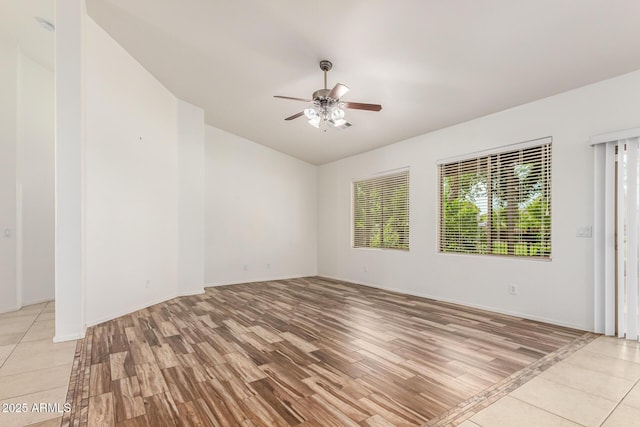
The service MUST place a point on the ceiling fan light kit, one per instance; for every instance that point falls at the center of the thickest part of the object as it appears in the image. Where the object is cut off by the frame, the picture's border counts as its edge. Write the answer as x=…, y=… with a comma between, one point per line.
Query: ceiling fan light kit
x=326, y=106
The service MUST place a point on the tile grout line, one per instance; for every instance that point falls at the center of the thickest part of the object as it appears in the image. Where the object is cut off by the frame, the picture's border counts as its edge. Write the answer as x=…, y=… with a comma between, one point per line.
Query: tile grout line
x=39, y=422
x=620, y=402
x=30, y=370
x=33, y=392
x=33, y=370
x=585, y=391
x=23, y=335
x=546, y=410
x=467, y=409
x=611, y=357
x=626, y=394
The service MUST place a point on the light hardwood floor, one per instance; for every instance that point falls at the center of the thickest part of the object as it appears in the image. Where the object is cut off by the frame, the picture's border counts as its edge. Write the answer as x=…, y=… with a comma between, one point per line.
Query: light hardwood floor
x=302, y=352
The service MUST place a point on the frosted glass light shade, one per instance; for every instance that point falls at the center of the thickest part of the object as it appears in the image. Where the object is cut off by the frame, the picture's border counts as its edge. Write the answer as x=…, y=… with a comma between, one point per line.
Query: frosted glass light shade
x=310, y=113
x=337, y=114
x=315, y=122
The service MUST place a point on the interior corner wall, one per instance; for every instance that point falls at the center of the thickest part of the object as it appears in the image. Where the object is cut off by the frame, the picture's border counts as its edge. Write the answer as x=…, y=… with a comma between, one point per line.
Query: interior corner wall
x=35, y=176
x=190, y=199
x=130, y=183
x=260, y=212
x=69, y=134
x=559, y=291
x=8, y=197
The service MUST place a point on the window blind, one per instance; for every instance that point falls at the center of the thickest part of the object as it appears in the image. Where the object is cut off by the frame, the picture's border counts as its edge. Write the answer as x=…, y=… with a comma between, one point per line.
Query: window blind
x=497, y=204
x=381, y=212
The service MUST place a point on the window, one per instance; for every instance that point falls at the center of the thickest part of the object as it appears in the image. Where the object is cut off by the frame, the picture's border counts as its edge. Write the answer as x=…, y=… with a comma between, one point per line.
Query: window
x=498, y=203
x=381, y=212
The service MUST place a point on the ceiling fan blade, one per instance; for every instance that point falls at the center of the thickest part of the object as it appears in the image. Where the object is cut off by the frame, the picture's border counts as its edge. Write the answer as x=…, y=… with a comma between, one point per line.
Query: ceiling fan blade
x=361, y=106
x=289, y=97
x=295, y=116
x=338, y=91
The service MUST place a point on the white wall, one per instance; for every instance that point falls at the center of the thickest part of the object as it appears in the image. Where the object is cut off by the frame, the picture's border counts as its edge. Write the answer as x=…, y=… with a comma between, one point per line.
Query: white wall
x=190, y=199
x=559, y=291
x=130, y=183
x=147, y=168
x=8, y=138
x=35, y=176
x=26, y=179
x=70, y=133
x=260, y=212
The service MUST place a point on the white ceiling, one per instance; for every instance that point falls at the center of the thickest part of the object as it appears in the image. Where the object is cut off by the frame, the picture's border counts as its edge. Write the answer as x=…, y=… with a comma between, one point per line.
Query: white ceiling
x=430, y=63
x=18, y=24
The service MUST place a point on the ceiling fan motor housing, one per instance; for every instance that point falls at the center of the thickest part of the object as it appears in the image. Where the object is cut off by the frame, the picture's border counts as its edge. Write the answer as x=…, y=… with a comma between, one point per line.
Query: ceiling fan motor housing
x=325, y=65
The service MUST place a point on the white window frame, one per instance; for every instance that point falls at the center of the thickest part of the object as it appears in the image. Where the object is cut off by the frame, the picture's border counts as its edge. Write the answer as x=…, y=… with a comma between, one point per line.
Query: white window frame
x=486, y=153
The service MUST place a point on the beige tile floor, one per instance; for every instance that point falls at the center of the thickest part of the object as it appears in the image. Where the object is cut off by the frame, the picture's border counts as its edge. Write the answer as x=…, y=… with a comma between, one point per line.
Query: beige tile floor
x=32, y=368
x=598, y=385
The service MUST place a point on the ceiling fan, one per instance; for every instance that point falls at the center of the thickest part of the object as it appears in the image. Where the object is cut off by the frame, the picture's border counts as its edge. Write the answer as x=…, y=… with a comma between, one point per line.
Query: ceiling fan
x=326, y=105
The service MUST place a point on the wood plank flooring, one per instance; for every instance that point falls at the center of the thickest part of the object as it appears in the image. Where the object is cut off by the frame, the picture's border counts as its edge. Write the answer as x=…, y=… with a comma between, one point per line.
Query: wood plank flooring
x=306, y=352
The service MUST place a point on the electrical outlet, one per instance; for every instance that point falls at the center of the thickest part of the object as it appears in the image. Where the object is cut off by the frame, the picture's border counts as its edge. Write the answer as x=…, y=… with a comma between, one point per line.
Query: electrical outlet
x=268, y=266
x=584, y=231
x=147, y=284
x=365, y=268
x=245, y=267
x=513, y=289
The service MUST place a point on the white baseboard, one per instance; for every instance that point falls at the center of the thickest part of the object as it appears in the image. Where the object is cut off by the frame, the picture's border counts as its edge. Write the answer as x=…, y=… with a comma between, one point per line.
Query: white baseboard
x=131, y=309
x=268, y=279
x=10, y=309
x=466, y=304
x=198, y=291
x=69, y=337
x=38, y=301
x=137, y=307
x=16, y=308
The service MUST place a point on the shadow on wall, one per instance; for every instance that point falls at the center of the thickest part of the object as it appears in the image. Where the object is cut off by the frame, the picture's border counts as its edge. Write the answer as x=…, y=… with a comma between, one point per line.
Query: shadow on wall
x=26, y=178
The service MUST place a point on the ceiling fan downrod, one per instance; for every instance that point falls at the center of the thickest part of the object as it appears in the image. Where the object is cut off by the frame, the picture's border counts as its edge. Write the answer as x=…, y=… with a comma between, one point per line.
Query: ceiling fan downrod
x=325, y=65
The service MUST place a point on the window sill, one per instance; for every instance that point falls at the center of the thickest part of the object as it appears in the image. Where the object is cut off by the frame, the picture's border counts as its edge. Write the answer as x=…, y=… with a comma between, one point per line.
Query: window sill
x=511, y=257
x=381, y=249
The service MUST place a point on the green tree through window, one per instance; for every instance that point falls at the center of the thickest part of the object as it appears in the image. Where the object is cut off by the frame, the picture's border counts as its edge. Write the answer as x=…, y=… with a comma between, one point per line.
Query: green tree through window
x=499, y=204
x=381, y=212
